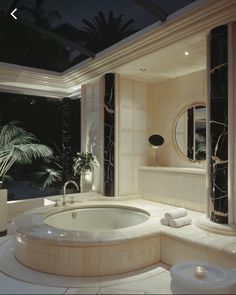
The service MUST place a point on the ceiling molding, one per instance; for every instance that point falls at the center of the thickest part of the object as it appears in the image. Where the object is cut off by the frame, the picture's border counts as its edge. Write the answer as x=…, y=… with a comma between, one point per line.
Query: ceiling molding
x=201, y=16
x=32, y=91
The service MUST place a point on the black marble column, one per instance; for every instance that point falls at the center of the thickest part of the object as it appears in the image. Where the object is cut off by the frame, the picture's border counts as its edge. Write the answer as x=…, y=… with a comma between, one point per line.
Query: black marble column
x=190, y=133
x=67, y=153
x=218, y=131
x=109, y=135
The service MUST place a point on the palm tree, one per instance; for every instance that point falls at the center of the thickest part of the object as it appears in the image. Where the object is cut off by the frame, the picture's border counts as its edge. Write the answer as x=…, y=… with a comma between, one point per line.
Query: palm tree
x=101, y=32
x=42, y=17
x=17, y=146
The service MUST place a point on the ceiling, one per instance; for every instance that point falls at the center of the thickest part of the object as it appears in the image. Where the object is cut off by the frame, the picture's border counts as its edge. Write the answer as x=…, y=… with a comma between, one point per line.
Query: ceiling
x=57, y=34
x=168, y=62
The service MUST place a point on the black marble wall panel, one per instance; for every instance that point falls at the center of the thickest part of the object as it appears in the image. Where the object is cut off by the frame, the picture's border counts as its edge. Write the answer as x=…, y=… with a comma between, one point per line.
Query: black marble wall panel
x=66, y=148
x=190, y=133
x=218, y=131
x=109, y=135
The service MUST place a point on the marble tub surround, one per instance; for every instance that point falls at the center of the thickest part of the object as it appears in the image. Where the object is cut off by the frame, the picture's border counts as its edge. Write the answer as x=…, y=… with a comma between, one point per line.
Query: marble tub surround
x=218, y=121
x=33, y=224
x=77, y=197
x=178, y=186
x=222, y=229
x=159, y=243
x=16, y=278
x=46, y=248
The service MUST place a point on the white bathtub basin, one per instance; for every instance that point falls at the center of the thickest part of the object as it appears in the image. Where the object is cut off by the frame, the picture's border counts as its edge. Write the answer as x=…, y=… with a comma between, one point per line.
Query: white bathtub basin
x=96, y=219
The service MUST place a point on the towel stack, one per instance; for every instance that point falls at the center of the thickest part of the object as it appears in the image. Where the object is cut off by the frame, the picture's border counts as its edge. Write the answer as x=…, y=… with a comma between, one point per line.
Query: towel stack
x=176, y=218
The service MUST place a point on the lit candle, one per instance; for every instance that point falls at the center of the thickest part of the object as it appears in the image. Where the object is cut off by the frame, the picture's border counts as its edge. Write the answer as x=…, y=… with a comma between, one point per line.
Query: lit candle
x=200, y=272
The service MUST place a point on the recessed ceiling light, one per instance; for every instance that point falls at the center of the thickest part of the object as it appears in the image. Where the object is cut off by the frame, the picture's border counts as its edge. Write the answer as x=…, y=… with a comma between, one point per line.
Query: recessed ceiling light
x=186, y=53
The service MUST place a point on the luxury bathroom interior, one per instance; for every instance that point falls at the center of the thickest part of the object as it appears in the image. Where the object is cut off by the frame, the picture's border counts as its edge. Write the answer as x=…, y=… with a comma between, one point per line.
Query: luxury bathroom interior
x=155, y=213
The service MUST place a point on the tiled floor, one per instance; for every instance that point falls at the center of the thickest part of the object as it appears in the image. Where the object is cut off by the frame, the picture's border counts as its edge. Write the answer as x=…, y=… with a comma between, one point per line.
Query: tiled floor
x=17, y=279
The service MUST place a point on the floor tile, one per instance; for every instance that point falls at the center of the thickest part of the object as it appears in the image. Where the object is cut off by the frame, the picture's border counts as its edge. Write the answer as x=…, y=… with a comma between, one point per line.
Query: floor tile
x=11, y=286
x=113, y=281
x=158, y=284
x=83, y=290
x=4, y=239
x=108, y=290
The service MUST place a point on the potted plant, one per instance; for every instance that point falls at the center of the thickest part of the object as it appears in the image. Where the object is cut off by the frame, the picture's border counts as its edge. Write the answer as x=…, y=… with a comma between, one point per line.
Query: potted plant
x=17, y=147
x=84, y=163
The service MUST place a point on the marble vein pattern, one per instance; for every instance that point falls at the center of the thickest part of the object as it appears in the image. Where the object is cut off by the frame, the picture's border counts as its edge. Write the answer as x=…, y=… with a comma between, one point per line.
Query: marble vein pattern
x=218, y=121
x=109, y=134
x=67, y=154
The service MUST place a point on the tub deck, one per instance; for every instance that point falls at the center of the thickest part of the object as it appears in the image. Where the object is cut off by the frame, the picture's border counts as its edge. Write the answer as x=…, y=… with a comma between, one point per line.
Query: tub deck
x=122, y=250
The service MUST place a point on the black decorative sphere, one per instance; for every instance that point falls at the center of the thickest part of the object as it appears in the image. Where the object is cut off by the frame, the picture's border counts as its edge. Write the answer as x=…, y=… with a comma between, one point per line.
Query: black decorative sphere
x=156, y=140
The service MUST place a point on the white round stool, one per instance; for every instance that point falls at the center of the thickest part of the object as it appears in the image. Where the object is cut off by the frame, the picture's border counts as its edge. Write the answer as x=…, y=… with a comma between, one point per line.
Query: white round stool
x=200, y=277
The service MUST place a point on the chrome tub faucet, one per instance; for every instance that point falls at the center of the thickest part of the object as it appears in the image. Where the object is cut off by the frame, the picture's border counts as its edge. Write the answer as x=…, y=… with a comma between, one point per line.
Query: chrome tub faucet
x=64, y=189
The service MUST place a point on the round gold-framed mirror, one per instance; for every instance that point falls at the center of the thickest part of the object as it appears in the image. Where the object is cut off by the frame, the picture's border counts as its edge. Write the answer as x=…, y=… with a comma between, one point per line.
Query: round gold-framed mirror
x=190, y=132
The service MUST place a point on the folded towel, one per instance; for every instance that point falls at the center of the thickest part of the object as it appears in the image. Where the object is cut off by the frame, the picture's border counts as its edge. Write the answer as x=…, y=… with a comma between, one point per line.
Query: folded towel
x=164, y=221
x=178, y=222
x=176, y=213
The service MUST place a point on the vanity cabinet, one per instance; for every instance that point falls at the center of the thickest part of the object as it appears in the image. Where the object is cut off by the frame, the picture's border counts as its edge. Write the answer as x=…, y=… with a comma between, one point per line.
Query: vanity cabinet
x=182, y=187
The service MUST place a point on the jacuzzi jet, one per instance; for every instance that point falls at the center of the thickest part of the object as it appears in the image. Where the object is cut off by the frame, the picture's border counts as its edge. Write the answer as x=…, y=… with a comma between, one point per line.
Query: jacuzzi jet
x=74, y=214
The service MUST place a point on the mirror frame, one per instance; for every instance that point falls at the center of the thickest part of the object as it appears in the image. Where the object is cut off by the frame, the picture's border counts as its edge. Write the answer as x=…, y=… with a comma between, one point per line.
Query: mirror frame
x=184, y=109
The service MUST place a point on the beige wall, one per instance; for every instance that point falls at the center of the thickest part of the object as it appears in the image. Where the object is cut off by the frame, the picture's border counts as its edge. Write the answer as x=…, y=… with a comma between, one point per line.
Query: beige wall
x=144, y=109
x=167, y=100
x=131, y=153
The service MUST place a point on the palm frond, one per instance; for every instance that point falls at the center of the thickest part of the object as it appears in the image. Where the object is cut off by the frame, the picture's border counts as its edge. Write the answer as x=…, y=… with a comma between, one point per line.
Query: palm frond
x=54, y=15
x=46, y=176
x=31, y=11
x=25, y=153
x=127, y=26
x=90, y=27
x=102, y=31
x=18, y=146
x=102, y=19
x=11, y=133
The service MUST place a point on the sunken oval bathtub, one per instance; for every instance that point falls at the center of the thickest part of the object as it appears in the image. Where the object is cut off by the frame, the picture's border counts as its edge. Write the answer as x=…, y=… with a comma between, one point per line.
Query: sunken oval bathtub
x=83, y=240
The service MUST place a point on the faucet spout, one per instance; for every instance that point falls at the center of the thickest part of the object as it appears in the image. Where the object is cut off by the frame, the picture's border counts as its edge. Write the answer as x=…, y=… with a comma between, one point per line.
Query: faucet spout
x=64, y=189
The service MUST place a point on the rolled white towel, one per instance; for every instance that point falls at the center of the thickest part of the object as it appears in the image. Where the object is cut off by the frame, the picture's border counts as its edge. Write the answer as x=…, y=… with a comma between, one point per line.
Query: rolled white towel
x=179, y=222
x=164, y=221
x=176, y=213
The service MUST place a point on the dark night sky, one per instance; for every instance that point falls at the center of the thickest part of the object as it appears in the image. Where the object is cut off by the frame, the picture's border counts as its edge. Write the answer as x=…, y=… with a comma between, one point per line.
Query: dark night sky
x=26, y=46
x=73, y=11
